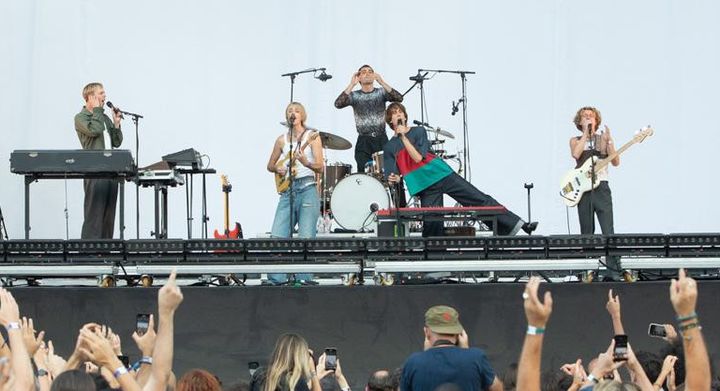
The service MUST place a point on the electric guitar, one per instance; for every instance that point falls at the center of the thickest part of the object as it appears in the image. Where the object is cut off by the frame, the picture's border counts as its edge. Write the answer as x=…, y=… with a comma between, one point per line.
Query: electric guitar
x=236, y=233
x=578, y=181
x=282, y=182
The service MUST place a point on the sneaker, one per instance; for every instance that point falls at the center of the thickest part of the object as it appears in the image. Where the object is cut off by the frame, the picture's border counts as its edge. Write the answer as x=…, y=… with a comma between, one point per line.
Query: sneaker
x=588, y=277
x=628, y=276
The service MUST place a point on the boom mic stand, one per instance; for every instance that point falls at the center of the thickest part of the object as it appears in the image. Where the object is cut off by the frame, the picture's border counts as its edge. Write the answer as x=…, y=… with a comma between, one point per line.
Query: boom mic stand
x=135, y=119
x=466, y=144
x=293, y=75
x=419, y=79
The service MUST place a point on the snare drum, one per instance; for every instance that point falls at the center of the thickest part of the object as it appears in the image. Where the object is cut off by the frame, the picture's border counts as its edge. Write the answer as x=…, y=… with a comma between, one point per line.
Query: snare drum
x=355, y=199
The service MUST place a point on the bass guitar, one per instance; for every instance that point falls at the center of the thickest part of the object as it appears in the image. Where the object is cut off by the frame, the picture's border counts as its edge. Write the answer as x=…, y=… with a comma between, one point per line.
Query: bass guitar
x=282, y=182
x=578, y=181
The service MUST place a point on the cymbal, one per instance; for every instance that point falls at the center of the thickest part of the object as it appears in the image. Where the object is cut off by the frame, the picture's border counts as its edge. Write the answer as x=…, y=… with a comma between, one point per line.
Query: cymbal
x=333, y=141
x=440, y=132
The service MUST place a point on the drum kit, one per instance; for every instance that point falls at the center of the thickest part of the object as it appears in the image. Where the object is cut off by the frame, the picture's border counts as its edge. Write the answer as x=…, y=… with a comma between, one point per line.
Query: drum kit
x=352, y=199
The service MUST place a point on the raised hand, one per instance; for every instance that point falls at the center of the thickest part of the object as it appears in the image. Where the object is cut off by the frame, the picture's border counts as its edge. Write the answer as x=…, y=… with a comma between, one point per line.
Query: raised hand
x=670, y=333
x=613, y=304
x=170, y=296
x=146, y=342
x=9, y=312
x=56, y=364
x=683, y=294
x=536, y=312
x=463, y=340
x=97, y=348
x=32, y=342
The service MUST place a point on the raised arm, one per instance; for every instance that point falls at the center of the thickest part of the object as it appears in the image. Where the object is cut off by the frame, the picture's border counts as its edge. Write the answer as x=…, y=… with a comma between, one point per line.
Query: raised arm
x=613, y=308
x=683, y=295
x=537, y=314
x=19, y=357
x=169, y=298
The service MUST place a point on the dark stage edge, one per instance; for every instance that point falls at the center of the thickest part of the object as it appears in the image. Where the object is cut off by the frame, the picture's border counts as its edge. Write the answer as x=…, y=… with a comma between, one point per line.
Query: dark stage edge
x=222, y=329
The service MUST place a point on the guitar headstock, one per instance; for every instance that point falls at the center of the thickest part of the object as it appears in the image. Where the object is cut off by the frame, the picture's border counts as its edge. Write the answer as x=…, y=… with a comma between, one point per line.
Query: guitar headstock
x=643, y=134
x=226, y=186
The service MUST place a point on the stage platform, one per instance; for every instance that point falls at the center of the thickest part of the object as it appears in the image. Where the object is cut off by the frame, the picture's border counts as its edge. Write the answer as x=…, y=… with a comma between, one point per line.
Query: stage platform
x=362, y=259
x=224, y=328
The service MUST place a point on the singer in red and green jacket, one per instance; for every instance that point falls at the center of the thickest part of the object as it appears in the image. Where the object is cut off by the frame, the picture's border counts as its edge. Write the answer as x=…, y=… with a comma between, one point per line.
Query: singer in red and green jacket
x=407, y=157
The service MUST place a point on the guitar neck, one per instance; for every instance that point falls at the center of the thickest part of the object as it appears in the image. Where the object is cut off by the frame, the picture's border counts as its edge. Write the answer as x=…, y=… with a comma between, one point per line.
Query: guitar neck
x=604, y=162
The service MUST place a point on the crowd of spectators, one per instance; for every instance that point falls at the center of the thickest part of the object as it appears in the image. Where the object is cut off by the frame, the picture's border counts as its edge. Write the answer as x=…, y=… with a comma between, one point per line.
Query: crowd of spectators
x=446, y=362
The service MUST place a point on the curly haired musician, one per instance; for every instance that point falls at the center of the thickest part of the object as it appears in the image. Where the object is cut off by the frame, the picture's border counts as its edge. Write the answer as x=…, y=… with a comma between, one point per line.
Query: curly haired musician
x=426, y=175
x=591, y=143
x=96, y=131
x=307, y=156
x=368, y=105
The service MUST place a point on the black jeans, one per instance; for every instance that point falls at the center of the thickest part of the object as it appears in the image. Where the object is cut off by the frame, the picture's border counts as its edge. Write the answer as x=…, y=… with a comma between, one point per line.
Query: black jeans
x=600, y=204
x=467, y=195
x=366, y=146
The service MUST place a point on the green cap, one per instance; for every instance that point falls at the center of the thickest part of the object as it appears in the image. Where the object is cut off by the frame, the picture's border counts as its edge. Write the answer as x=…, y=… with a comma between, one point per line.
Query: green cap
x=442, y=319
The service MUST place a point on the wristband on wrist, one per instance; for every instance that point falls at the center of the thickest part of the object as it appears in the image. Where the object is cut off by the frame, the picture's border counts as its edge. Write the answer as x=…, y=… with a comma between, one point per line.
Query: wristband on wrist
x=13, y=326
x=532, y=330
x=692, y=315
x=593, y=379
x=121, y=370
x=146, y=360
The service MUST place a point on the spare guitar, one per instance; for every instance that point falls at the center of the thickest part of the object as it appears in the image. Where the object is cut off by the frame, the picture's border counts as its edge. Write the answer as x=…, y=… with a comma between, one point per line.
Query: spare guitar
x=578, y=181
x=282, y=182
x=236, y=232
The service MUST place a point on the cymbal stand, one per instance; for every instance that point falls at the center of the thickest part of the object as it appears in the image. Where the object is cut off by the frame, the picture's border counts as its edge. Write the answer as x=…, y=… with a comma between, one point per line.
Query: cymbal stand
x=324, y=192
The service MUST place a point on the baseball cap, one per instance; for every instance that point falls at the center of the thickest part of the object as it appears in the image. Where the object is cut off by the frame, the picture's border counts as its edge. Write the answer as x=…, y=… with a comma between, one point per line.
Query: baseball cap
x=443, y=319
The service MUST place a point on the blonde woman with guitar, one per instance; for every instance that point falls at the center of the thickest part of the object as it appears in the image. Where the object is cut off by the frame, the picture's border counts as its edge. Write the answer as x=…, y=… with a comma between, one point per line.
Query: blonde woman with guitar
x=295, y=159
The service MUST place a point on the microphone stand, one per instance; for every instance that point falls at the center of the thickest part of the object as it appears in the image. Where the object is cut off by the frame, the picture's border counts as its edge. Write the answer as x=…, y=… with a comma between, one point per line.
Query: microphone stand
x=593, y=178
x=135, y=119
x=419, y=79
x=529, y=186
x=293, y=75
x=466, y=143
x=290, y=164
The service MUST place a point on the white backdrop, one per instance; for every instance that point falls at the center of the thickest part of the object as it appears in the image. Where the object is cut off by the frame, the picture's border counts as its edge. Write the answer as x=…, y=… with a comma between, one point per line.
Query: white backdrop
x=207, y=75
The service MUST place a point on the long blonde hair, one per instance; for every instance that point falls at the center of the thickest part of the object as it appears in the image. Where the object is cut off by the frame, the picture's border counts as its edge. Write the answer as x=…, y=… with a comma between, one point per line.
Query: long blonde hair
x=289, y=363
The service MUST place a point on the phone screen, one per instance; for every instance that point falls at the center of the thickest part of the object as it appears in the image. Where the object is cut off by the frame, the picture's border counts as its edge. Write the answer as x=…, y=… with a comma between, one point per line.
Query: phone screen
x=142, y=322
x=620, y=352
x=330, y=358
x=657, y=330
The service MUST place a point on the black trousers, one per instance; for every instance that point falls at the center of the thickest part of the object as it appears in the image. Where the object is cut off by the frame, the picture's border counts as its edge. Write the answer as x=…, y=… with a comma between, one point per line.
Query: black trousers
x=100, y=200
x=600, y=204
x=467, y=195
x=366, y=146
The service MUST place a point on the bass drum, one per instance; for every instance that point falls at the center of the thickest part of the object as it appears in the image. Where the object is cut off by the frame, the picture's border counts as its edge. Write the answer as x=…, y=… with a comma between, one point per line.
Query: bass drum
x=354, y=201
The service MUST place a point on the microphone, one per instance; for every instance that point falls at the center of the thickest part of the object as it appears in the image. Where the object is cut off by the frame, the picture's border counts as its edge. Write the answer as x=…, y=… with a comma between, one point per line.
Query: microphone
x=399, y=122
x=418, y=78
x=374, y=207
x=115, y=109
x=455, y=107
x=291, y=121
x=323, y=76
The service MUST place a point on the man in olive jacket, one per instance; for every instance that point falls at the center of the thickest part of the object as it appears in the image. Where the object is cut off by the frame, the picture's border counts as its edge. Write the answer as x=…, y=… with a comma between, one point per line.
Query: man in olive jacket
x=97, y=131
